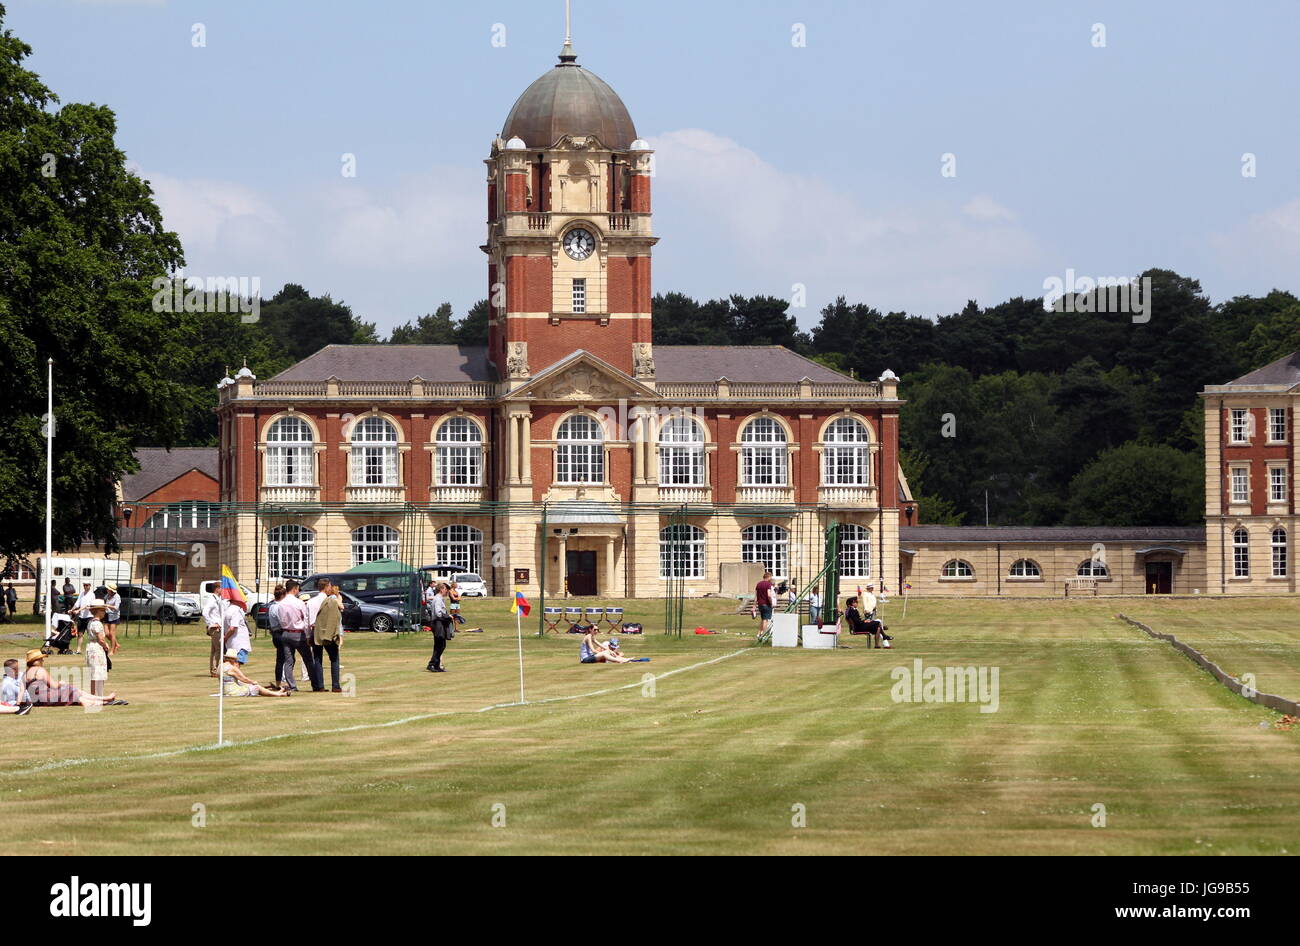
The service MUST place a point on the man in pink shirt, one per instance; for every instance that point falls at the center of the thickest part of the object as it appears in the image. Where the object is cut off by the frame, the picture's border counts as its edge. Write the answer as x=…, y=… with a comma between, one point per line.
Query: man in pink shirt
x=295, y=627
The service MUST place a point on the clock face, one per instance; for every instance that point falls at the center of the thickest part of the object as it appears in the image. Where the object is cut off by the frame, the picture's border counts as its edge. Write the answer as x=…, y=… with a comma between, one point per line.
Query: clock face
x=579, y=244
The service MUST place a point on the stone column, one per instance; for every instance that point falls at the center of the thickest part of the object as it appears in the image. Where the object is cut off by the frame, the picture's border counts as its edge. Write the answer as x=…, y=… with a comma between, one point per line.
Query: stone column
x=651, y=448
x=526, y=450
x=638, y=456
x=512, y=447
x=610, y=585
x=564, y=564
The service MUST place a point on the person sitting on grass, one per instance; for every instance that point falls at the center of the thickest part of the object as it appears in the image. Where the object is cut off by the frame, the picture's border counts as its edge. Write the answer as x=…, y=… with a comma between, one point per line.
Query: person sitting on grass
x=42, y=689
x=592, y=651
x=13, y=699
x=234, y=682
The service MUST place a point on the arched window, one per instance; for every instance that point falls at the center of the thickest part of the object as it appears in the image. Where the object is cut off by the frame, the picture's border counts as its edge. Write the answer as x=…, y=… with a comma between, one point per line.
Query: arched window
x=580, y=451
x=957, y=568
x=290, y=551
x=459, y=453
x=461, y=547
x=289, y=453
x=769, y=546
x=763, y=453
x=681, y=453
x=681, y=552
x=373, y=542
x=374, y=452
x=855, y=551
x=1240, y=553
x=846, y=453
x=1025, y=568
x=1092, y=568
x=1279, y=553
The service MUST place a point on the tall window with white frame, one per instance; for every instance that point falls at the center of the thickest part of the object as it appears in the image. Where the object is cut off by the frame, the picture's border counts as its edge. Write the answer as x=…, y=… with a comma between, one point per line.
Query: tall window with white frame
x=1277, y=424
x=290, y=551
x=460, y=546
x=372, y=543
x=681, y=551
x=681, y=453
x=1279, y=553
x=1240, y=553
x=374, y=452
x=855, y=551
x=1239, y=425
x=458, y=453
x=580, y=451
x=289, y=453
x=767, y=545
x=846, y=453
x=1240, y=492
x=763, y=452
x=579, y=296
x=1277, y=484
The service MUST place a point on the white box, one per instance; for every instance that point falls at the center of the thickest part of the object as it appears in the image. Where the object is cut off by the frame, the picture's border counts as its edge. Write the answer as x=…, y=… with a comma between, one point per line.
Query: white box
x=785, y=630
x=814, y=639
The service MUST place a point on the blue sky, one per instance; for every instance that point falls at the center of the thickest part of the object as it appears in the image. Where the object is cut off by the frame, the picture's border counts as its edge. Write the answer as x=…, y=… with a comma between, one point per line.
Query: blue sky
x=777, y=164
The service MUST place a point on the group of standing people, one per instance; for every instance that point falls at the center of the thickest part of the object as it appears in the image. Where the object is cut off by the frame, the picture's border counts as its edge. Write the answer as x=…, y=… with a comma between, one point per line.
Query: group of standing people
x=301, y=626
x=103, y=605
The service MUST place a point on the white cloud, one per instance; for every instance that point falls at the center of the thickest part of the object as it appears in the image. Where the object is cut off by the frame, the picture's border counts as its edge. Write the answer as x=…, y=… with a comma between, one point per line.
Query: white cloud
x=1262, y=248
x=731, y=221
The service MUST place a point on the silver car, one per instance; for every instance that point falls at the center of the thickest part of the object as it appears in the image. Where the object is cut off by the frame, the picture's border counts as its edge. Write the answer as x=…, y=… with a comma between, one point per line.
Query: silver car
x=149, y=602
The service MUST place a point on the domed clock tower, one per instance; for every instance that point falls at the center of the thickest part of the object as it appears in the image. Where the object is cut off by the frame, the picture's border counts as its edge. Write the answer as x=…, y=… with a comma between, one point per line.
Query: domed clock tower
x=569, y=234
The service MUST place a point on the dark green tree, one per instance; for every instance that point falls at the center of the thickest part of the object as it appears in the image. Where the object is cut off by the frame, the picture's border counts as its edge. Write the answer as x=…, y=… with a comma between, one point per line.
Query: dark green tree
x=1139, y=485
x=81, y=240
x=435, y=328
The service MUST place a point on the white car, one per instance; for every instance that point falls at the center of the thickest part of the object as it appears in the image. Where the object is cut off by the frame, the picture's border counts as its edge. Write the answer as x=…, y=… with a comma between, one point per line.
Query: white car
x=470, y=585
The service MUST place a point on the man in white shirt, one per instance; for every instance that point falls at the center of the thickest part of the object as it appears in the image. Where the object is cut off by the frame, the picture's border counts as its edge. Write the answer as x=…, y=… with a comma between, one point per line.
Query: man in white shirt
x=212, y=621
x=83, y=612
x=234, y=630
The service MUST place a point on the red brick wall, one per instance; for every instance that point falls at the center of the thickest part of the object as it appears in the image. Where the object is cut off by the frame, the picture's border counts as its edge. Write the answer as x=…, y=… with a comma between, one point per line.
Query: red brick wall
x=516, y=192
x=641, y=193
x=192, y=486
x=888, y=427
x=1257, y=453
x=548, y=343
x=629, y=284
x=528, y=289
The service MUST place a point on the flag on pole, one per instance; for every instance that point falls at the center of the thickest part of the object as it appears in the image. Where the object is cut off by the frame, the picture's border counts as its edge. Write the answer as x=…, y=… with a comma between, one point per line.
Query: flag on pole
x=230, y=588
x=520, y=605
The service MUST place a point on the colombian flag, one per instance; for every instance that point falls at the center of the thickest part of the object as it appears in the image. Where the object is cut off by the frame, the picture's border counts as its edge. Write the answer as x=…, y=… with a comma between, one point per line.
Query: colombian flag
x=520, y=604
x=230, y=588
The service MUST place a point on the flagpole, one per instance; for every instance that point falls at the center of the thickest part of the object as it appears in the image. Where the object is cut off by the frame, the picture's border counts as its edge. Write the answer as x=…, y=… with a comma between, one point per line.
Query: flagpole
x=221, y=697
x=519, y=632
x=49, y=489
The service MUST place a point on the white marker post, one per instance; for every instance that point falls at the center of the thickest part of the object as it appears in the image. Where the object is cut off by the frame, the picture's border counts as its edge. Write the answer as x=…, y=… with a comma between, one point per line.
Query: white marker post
x=519, y=632
x=49, y=490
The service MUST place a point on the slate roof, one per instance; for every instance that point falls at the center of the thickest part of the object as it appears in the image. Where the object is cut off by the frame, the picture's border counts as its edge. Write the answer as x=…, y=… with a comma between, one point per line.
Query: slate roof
x=1284, y=371
x=1011, y=535
x=158, y=467
x=469, y=363
x=392, y=363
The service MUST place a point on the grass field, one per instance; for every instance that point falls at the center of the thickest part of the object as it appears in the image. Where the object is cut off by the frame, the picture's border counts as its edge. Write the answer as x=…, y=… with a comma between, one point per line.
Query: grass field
x=713, y=761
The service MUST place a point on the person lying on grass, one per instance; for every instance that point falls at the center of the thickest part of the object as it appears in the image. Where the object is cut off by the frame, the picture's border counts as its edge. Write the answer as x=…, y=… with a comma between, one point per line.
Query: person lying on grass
x=592, y=651
x=42, y=689
x=234, y=682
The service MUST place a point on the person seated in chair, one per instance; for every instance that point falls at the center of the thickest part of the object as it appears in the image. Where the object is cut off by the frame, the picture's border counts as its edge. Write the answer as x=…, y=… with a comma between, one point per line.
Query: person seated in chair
x=863, y=624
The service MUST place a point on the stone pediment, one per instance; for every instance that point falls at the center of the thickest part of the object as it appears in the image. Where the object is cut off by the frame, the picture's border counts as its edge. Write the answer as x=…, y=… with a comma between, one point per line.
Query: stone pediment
x=582, y=377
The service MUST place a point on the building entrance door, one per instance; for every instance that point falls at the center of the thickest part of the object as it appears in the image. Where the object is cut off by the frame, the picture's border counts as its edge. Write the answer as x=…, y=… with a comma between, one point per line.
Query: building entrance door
x=580, y=567
x=1160, y=578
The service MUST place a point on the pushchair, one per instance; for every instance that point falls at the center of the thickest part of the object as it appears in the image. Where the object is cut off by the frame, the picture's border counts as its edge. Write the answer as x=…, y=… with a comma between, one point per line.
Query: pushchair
x=62, y=639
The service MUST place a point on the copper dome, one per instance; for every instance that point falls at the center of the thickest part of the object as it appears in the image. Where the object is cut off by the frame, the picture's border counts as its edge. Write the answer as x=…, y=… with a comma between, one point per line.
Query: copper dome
x=569, y=100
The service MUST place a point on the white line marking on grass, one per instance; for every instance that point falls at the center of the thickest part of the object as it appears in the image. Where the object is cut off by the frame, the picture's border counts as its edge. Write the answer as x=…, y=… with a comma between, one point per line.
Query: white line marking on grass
x=172, y=753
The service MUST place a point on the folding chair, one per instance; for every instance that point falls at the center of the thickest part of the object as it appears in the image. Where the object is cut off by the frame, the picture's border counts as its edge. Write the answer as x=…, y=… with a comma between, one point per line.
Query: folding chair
x=551, y=617
x=574, y=617
x=595, y=616
x=614, y=618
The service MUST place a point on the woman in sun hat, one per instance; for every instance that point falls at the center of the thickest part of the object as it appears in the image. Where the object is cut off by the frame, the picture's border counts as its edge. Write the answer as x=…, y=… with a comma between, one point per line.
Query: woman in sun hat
x=112, y=617
x=42, y=689
x=234, y=682
x=97, y=647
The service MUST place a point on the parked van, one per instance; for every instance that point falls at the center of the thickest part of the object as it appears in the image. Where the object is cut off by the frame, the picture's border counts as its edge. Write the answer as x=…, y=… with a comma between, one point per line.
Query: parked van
x=97, y=570
x=400, y=589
